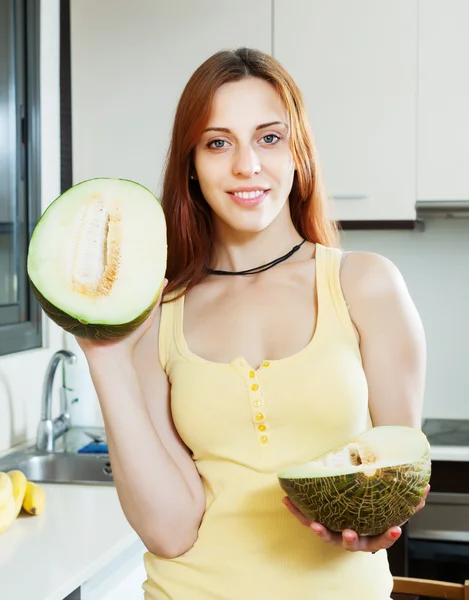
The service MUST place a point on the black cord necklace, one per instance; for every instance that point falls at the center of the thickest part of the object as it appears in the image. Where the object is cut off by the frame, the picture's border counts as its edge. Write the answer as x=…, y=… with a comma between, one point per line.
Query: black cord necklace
x=261, y=268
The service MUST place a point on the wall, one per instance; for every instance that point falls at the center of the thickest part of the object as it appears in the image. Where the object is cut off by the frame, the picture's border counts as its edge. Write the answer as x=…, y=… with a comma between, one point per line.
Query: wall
x=142, y=53
x=21, y=375
x=434, y=264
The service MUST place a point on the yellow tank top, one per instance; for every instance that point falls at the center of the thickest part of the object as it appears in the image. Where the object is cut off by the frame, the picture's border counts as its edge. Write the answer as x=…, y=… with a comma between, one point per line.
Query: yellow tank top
x=243, y=425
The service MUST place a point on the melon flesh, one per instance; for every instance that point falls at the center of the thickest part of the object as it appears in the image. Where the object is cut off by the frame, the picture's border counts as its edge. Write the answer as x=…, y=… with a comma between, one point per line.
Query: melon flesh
x=97, y=257
x=374, y=482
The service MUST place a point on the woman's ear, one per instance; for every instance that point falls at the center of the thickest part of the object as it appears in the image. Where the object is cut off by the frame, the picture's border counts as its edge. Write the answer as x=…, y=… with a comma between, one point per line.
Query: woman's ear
x=192, y=172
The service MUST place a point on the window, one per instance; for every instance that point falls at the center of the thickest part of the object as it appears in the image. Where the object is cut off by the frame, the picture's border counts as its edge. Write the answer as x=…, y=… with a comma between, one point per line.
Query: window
x=20, y=200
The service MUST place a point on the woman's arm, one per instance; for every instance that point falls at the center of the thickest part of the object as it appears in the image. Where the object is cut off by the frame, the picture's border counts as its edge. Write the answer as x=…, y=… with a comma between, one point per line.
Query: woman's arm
x=391, y=336
x=157, y=482
x=393, y=350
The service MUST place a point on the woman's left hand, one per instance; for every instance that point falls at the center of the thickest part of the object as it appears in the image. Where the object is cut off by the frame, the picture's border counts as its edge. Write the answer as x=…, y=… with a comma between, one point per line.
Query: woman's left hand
x=348, y=539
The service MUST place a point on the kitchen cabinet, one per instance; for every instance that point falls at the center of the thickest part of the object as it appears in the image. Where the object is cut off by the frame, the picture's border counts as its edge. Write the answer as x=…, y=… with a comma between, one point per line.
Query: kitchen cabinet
x=443, y=100
x=128, y=72
x=398, y=554
x=435, y=541
x=121, y=579
x=438, y=545
x=126, y=587
x=356, y=65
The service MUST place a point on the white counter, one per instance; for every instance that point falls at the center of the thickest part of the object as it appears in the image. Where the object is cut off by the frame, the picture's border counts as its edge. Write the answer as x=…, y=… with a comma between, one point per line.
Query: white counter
x=46, y=557
x=81, y=532
x=453, y=453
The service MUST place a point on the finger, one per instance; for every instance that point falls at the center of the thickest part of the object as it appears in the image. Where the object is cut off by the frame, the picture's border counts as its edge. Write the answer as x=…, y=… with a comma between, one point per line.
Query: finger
x=420, y=506
x=295, y=512
x=423, y=501
x=351, y=541
x=160, y=296
x=380, y=542
x=328, y=536
x=427, y=491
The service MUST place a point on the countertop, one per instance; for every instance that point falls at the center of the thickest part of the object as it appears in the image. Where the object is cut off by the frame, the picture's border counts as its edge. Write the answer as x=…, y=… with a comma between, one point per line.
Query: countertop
x=81, y=531
x=48, y=556
x=453, y=453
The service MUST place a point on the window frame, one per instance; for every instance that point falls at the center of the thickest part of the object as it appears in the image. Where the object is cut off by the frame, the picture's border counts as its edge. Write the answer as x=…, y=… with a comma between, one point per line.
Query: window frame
x=27, y=334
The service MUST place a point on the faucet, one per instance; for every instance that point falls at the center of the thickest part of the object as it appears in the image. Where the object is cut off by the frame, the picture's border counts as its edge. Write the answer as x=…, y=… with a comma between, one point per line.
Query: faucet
x=50, y=429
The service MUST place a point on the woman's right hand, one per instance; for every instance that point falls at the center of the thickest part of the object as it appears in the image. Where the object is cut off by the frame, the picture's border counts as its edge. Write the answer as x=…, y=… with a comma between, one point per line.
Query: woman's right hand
x=125, y=344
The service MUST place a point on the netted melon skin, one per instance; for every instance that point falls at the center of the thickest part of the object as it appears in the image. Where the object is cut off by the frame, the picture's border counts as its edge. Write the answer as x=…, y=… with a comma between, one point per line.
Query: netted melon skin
x=369, y=505
x=97, y=332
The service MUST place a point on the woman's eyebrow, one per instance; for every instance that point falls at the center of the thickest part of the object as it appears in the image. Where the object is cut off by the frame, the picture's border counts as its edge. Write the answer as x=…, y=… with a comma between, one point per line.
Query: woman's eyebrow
x=262, y=126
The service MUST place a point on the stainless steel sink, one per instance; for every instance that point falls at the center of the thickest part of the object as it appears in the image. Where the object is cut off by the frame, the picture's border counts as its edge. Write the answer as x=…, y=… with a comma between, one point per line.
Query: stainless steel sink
x=61, y=467
x=65, y=464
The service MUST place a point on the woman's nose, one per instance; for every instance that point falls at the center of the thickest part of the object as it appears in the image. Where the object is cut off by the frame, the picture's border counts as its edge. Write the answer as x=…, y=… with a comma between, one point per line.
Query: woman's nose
x=247, y=162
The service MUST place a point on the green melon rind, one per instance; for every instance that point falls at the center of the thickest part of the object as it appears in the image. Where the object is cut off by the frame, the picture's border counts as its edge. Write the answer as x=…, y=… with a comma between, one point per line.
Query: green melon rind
x=91, y=331
x=74, y=324
x=369, y=505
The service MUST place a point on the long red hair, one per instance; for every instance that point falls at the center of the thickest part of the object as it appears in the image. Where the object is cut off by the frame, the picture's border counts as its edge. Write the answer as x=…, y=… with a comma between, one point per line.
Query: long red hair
x=188, y=216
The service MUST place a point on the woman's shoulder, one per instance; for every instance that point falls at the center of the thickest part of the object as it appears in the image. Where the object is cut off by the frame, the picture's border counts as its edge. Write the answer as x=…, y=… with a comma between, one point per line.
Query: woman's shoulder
x=359, y=265
x=368, y=278
x=364, y=267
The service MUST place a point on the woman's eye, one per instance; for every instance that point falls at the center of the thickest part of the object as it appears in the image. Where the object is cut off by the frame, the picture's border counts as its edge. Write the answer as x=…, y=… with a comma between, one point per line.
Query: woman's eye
x=271, y=138
x=217, y=144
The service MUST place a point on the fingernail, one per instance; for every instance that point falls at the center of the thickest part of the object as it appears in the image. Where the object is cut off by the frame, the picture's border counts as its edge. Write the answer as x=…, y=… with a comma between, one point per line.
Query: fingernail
x=349, y=538
x=395, y=534
x=316, y=529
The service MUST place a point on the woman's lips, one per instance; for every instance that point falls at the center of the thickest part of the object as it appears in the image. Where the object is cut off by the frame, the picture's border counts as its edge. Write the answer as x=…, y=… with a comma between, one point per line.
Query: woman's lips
x=248, y=202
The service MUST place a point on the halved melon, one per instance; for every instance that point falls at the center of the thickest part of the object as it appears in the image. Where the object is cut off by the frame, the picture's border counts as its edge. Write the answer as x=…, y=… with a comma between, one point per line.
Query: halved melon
x=370, y=484
x=97, y=258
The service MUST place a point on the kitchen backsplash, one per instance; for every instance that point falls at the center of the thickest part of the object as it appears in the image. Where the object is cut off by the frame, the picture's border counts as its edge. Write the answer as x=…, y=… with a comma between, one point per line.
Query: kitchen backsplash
x=435, y=265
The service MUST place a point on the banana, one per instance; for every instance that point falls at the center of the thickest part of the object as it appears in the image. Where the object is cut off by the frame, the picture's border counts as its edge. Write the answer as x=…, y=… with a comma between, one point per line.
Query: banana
x=7, y=514
x=19, y=482
x=6, y=489
x=34, y=499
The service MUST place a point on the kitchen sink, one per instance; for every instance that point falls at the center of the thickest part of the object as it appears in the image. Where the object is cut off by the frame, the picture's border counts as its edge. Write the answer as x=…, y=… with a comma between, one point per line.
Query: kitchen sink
x=63, y=467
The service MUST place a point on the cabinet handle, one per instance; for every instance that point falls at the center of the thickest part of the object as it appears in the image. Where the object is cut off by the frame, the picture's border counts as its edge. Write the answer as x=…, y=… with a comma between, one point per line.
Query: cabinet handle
x=350, y=197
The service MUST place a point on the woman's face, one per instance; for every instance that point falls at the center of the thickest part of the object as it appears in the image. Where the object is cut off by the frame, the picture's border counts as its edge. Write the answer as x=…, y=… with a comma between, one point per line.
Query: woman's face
x=243, y=160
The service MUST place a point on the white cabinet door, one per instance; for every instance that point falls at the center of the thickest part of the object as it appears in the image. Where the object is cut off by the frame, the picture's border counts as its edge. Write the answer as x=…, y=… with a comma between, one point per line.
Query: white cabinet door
x=356, y=64
x=443, y=107
x=130, y=62
x=129, y=587
x=121, y=579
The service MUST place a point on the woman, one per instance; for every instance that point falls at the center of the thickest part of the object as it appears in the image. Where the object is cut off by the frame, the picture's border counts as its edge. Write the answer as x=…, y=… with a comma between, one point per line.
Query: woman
x=242, y=371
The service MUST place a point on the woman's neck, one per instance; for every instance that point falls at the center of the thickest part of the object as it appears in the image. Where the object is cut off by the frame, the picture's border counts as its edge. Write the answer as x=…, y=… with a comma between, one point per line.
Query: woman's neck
x=239, y=251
